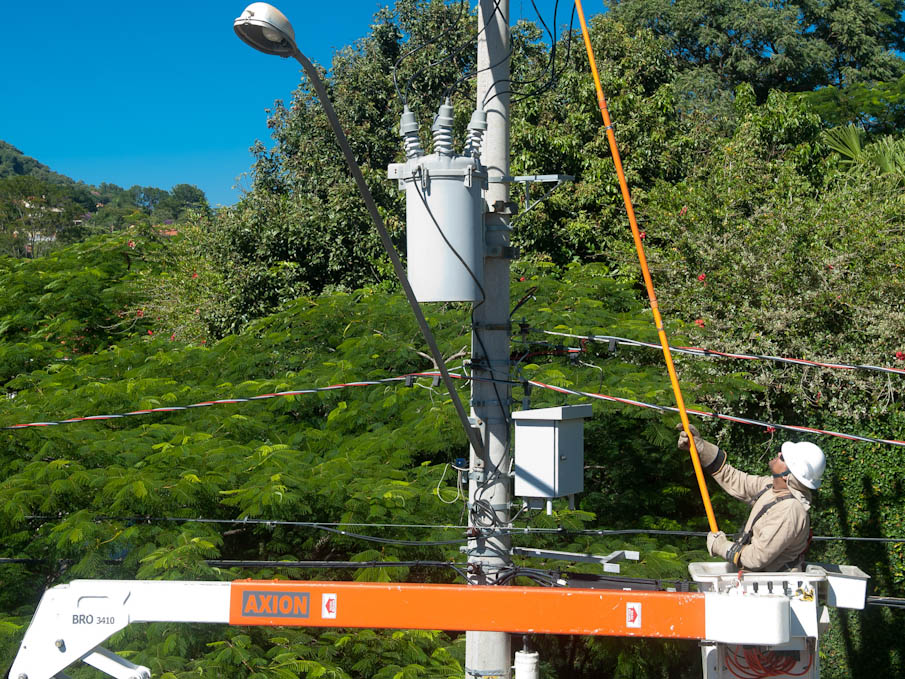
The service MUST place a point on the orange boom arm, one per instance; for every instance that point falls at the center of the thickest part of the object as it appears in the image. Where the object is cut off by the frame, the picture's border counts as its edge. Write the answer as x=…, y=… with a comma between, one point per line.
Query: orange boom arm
x=458, y=607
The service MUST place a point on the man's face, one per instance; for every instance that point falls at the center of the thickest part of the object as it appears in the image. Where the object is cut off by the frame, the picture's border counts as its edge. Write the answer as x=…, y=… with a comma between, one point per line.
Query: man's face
x=778, y=465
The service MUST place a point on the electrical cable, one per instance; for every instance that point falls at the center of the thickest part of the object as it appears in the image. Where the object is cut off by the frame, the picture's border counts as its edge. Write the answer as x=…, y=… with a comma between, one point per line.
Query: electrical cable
x=886, y=601
x=554, y=78
x=528, y=295
x=563, y=390
x=239, y=563
x=458, y=488
x=234, y=400
x=449, y=57
x=520, y=82
x=271, y=523
x=730, y=418
x=512, y=530
x=698, y=351
x=403, y=95
x=544, y=576
x=551, y=82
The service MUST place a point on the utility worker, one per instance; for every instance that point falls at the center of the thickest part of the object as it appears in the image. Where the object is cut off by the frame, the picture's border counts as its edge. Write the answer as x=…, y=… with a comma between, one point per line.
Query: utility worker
x=778, y=530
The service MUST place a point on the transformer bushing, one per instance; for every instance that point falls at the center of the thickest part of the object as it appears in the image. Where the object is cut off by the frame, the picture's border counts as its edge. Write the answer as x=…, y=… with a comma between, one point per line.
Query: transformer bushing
x=444, y=209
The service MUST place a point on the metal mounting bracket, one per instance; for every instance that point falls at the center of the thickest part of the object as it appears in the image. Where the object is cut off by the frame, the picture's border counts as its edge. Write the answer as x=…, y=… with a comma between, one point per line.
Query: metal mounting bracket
x=527, y=180
x=608, y=561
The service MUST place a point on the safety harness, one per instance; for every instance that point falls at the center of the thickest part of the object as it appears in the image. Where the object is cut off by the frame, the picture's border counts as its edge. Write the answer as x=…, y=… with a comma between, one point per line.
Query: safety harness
x=735, y=551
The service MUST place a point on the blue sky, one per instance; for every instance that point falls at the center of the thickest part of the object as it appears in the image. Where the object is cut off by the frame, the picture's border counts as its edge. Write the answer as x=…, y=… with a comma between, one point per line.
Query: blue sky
x=158, y=94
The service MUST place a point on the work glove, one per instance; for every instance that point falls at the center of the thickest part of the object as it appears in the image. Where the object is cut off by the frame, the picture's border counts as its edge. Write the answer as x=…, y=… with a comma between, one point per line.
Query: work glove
x=718, y=544
x=712, y=458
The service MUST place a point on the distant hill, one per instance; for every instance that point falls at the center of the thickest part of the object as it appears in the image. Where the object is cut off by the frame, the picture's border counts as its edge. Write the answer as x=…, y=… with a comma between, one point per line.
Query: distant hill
x=14, y=162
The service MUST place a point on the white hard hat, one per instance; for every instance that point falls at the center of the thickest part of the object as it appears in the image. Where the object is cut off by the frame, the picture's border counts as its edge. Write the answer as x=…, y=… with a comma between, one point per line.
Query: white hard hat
x=806, y=462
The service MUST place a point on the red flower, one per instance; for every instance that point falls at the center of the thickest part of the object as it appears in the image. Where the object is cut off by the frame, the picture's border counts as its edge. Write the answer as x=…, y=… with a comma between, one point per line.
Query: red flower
x=173, y=336
x=643, y=235
x=131, y=243
x=829, y=266
x=683, y=211
x=522, y=279
x=770, y=430
x=699, y=322
x=139, y=313
x=203, y=341
x=194, y=274
x=150, y=332
x=702, y=277
x=900, y=355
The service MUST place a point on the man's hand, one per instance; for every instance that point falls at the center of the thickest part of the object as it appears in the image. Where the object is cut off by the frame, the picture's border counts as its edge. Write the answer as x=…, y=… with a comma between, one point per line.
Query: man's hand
x=712, y=458
x=717, y=544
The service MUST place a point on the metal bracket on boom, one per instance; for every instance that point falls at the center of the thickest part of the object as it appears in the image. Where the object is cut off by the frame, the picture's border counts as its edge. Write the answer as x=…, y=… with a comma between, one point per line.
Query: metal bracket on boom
x=608, y=561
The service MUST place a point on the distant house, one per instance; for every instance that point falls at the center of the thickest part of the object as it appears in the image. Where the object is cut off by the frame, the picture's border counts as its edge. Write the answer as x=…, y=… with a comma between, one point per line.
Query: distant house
x=166, y=231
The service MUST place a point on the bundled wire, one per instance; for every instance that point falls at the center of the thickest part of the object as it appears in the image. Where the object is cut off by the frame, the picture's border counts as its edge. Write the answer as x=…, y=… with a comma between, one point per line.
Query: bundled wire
x=539, y=576
x=750, y=662
x=886, y=601
x=553, y=78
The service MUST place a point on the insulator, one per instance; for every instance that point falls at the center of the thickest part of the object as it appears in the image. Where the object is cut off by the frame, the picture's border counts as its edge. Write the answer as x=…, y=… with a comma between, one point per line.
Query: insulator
x=412, y=146
x=476, y=128
x=408, y=129
x=442, y=129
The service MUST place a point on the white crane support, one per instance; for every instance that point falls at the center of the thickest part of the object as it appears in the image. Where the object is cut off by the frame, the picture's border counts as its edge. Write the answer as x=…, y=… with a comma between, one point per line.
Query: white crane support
x=768, y=610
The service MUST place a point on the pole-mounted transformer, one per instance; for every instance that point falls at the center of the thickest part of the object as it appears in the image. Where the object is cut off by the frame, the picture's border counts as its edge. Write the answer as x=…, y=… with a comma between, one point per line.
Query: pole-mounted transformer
x=444, y=209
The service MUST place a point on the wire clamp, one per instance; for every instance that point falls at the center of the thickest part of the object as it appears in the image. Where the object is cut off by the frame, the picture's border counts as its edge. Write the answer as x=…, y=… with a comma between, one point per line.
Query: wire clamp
x=502, y=207
x=486, y=674
x=502, y=252
x=490, y=402
x=506, y=327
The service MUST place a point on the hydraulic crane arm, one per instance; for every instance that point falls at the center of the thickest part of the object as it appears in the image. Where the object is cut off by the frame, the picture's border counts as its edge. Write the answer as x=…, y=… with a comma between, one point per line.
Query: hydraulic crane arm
x=72, y=621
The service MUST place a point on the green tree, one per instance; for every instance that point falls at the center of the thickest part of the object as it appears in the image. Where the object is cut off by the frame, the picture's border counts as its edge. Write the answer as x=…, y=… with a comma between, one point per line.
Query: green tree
x=15, y=163
x=795, y=46
x=878, y=107
x=35, y=214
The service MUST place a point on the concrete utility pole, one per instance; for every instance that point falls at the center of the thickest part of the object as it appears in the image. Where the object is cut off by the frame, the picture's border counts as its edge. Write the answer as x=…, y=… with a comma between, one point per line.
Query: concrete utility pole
x=488, y=654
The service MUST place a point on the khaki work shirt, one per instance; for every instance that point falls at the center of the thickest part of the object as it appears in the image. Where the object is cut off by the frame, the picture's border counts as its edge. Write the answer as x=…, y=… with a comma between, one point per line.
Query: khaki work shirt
x=781, y=535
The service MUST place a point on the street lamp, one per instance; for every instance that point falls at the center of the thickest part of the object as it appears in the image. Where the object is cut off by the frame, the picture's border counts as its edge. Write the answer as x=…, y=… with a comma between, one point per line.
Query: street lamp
x=267, y=29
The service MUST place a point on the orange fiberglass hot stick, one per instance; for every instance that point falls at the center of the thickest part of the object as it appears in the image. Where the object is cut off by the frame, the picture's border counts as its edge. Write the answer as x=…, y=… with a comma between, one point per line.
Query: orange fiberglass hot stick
x=680, y=403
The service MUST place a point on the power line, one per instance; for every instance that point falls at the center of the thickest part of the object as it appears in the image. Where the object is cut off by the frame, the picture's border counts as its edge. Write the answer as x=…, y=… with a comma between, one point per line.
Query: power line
x=698, y=351
x=730, y=418
x=402, y=378
x=512, y=530
x=543, y=577
x=230, y=401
